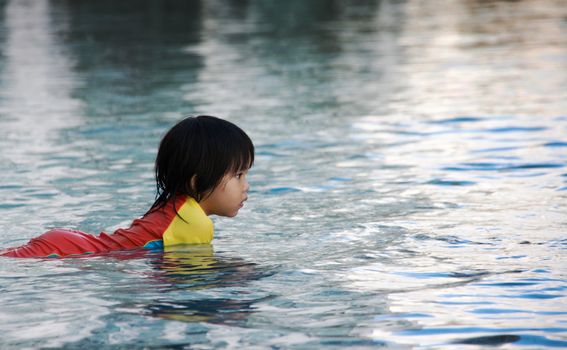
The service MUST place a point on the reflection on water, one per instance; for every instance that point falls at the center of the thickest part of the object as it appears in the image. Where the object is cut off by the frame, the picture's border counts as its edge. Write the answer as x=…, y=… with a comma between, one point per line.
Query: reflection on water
x=187, y=269
x=409, y=189
x=131, y=298
x=480, y=58
x=31, y=124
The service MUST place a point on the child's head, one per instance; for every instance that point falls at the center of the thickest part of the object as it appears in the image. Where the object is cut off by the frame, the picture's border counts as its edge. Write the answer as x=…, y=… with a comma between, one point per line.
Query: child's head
x=197, y=154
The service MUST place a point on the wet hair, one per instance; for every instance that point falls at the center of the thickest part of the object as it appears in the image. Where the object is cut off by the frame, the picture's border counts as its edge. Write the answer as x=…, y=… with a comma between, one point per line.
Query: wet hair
x=195, y=155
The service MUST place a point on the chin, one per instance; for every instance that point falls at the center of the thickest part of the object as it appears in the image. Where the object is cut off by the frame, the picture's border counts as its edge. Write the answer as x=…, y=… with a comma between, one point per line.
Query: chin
x=229, y=215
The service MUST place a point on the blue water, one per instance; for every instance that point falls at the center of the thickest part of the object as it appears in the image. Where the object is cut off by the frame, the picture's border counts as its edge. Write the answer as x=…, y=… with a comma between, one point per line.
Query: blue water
x=409, y=191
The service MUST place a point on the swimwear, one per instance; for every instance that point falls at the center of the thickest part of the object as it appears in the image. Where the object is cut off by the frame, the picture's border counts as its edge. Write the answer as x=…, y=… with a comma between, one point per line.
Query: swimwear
x=159, y=228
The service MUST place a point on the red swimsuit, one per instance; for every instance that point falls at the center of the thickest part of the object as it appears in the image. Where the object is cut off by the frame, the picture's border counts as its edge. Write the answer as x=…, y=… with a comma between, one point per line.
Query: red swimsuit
x=150, y=231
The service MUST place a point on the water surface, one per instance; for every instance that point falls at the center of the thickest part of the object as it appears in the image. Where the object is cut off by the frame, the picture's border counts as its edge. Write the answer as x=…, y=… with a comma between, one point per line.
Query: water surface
x=409, y=189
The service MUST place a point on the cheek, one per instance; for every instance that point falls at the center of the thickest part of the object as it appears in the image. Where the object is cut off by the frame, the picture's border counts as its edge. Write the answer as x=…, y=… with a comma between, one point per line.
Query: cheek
x=217, y=195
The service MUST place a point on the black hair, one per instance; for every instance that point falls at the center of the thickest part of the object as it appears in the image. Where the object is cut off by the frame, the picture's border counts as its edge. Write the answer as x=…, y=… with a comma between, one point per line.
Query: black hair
x=195, y=155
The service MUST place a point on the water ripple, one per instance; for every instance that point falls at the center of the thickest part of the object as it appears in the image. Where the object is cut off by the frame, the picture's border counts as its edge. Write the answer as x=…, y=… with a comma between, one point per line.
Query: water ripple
x=450, y=182
x=485, y=166
x=457, y=120
x=516, y=129
x=555, y=144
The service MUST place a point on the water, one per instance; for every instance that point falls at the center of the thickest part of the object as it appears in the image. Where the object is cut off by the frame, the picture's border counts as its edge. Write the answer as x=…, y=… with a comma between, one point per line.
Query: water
x=409, y=189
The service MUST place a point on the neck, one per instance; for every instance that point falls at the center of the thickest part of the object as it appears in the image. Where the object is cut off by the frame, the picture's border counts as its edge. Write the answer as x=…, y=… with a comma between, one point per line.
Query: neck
x=204, y=204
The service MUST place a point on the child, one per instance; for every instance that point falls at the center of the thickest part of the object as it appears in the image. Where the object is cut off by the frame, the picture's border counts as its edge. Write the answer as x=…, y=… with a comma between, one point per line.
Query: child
x=200, y=170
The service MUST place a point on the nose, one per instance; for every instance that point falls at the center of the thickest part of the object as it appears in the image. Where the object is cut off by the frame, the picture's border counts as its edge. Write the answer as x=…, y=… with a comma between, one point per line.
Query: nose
x=246, y=186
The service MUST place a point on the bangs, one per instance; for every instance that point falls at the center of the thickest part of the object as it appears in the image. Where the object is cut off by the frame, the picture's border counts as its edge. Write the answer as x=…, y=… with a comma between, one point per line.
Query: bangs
x=241, y=156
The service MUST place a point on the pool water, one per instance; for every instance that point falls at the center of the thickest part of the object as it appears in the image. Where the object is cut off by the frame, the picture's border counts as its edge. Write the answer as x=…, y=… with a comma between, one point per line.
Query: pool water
x=409, y=190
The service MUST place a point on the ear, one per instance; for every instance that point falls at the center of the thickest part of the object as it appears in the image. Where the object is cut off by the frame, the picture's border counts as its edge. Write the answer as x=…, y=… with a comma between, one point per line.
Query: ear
x=193, y=183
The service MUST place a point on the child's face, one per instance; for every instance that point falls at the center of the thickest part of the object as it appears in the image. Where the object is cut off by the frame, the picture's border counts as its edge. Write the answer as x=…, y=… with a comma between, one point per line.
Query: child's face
x=228, y=197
